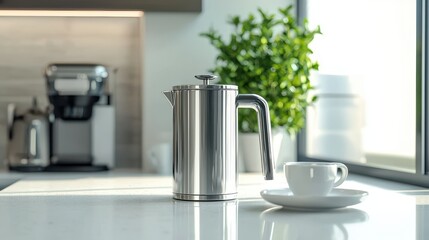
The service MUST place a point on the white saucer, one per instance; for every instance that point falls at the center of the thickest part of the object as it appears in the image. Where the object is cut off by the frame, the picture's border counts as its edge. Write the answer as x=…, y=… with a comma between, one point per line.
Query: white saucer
x=337, y=198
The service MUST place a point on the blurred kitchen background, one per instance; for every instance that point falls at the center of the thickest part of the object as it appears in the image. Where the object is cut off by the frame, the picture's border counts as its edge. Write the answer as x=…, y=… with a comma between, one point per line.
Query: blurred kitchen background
x=29, y=43
x=150, y=51
x=146, y=52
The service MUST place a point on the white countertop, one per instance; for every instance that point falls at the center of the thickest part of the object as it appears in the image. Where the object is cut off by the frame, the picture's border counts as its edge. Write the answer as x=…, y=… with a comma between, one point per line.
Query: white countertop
x=121, y=205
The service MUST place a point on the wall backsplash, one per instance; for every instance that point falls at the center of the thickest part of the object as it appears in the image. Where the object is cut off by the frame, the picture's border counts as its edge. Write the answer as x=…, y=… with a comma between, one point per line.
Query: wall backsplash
x=28, y=44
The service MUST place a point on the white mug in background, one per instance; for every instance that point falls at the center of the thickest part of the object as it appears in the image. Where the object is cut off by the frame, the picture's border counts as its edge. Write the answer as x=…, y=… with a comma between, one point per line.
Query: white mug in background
x=161, y=158
x=314, y=178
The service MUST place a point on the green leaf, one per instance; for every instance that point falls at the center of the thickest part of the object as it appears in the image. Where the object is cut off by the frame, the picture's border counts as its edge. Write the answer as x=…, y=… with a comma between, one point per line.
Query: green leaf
x=269, y=55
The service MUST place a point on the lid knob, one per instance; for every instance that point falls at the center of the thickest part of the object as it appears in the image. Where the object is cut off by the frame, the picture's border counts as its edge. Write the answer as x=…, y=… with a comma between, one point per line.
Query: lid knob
x=206, y=78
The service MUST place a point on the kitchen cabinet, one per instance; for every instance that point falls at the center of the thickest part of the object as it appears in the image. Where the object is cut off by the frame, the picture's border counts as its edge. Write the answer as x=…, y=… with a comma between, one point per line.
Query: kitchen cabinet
x=144, y=5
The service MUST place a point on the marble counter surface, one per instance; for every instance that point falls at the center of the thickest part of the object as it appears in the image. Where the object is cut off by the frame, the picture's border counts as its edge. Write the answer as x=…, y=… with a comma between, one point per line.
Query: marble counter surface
x=123, y=205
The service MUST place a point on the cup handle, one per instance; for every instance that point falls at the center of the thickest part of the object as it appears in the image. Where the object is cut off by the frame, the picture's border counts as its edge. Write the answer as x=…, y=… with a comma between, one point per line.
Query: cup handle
x=344, y=173
x=154, y=160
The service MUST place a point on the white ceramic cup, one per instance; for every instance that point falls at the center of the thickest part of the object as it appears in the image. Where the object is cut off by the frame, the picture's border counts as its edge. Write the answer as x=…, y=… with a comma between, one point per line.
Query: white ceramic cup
x=314, y=178
x=161, y=158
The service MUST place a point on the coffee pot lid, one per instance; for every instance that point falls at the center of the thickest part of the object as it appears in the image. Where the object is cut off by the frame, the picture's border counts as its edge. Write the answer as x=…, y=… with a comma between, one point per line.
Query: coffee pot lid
x=206, y=78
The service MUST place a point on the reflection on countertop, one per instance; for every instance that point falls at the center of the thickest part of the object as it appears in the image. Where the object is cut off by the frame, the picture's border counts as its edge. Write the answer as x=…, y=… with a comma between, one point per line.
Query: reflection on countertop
x=191, y=221
x=279, y=223
x=138, y=206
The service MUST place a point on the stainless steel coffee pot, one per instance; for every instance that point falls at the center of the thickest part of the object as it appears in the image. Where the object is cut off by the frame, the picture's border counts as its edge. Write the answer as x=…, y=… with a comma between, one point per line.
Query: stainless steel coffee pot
x=28, y=139
x=205, y=139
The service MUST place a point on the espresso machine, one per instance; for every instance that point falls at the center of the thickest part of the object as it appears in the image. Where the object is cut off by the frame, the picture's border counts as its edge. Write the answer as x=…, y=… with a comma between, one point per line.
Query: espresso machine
x=82, y=121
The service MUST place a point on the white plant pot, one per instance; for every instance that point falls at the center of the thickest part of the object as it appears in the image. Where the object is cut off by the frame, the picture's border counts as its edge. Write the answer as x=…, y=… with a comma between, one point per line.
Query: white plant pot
x=284, y=150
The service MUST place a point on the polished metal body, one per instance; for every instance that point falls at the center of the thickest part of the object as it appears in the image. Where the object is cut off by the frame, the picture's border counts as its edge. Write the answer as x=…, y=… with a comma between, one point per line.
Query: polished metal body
x=28, y=139
x=205, y=139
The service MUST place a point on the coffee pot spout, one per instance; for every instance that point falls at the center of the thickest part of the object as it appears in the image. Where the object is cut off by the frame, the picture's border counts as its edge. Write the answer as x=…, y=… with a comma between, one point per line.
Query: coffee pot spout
x=169, y=96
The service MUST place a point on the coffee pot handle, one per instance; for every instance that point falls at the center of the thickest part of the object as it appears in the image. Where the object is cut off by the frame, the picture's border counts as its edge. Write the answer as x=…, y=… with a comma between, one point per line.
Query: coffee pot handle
x=259, y=104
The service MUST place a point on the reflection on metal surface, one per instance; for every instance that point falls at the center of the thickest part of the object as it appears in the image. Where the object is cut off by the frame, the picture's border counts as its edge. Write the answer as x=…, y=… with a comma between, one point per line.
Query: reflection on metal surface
x=205, y=220
x=281, y=224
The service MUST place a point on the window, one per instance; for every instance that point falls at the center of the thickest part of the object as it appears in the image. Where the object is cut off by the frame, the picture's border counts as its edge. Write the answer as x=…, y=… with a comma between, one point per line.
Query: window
x=370, y=113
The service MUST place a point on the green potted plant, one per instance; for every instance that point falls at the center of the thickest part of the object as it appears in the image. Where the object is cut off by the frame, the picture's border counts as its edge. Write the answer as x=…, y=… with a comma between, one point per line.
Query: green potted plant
x=268, y=55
